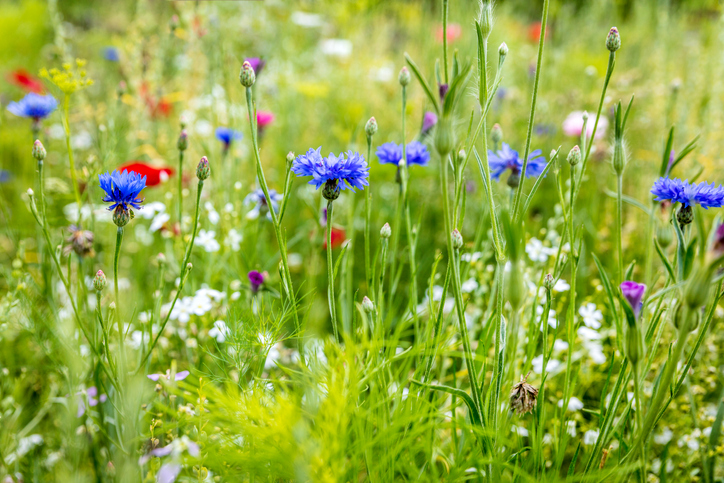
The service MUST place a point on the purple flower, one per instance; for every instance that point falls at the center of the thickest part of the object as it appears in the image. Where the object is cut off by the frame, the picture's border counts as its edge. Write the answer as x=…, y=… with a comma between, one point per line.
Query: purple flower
x=256, y=63
x=256, y=279
x=93, y=399
x=633, y=292
x=171, y=469
x=342, y=172
x=443, y=88
x=718, y=245
x=391, y=153
x=227, y=135
x=258, y=199
x=34, y=105
x=678, y=191
x=111, y=54
x=428, y=122
x=506, y=158
x=180, y=376
x=122, y=189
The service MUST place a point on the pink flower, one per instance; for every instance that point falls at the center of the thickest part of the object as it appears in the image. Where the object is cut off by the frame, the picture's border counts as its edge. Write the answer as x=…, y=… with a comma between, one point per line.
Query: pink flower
x=573, y=125
x=454, y=32
x=263, y=119
x=180, y=376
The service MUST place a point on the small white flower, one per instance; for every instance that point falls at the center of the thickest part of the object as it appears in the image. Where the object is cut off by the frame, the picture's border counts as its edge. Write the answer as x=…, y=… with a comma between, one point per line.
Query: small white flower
x=233, y=240
x=561, y=286
x=552, y=321
x=158, y=222
x=207, y=240
x=308, y=20
x=28, y=443
x=469, y=285
x=560, y=345
x=588, y=334
x=537, y=252
x=664, y=436
x=691, y=441
x=522, y=432
x=590, y=437
x=574, y=404
x=592, y=317
x=471, y=257
x=220, y=331
x=552, y=365
x=336, y=47
x=139, y=338
x=571, y=428
x=211, y=213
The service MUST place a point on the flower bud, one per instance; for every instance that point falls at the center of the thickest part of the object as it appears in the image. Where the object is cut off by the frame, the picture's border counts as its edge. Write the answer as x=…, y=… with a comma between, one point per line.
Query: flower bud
x=619, y=156
x=549, y=282
x=30, y=192
x=202, y=170
x=693, y=315
x=664, y=235
x=371, y=127
x=457, y=239
x=633, y=343
x=386, y=231
x=444, y=137
x=485, y=18
x=514, y=180
x=290, y=157
x=502, y=52
x=121, y=216
x=183, y=141
x=613, y=41
x=496, y=133
x=247, y=77
x=39, y=152
x=574, y=156
x=368, y=305
x=404, y=77
x=331, y=190
x=161, y=259
x=100, y=282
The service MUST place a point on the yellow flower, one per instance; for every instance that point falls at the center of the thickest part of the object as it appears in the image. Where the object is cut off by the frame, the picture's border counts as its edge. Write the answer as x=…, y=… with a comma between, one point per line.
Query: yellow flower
x=69, y=79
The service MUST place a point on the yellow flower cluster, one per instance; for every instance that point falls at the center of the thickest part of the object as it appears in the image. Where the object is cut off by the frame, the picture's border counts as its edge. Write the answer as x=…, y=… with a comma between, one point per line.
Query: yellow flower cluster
x=69, y=79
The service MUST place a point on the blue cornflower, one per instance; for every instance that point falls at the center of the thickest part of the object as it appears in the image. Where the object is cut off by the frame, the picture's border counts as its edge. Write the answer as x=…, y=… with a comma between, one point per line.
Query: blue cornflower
x=391, y=153
x=688, y=194
x=506, y=158
x=227, y=135
x=122, y=189
x=335, y=172
x=34, y=105
x=258, y=199
x=111, y=54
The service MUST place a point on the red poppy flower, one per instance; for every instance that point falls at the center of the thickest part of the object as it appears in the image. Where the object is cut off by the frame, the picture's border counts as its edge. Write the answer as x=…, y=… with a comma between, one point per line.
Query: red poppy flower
x=154, y=176
x=338, y=237
x=158, y=107
x=454, y=32
x=24, y=80
x=534, y=32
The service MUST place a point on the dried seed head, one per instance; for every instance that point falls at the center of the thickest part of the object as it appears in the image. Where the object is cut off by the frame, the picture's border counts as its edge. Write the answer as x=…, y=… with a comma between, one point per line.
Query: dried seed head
x=523, y=397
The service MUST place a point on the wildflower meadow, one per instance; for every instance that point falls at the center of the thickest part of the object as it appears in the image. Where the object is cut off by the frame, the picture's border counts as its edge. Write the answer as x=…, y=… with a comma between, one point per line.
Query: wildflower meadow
x=334, y=241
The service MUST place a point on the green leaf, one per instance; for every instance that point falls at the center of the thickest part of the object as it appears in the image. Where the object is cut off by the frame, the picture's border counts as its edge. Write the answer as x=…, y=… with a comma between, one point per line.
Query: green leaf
x=631, y=201
x=667, y=153
x=474, y=414
x=664, y=260
x=684, y=152
x=453, y=94
x=538, y=182
x=423, y=82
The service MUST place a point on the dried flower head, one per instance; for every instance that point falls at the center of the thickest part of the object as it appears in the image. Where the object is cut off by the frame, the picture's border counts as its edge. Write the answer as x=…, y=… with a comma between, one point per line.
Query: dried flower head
x=523, y=397
x=79, y=241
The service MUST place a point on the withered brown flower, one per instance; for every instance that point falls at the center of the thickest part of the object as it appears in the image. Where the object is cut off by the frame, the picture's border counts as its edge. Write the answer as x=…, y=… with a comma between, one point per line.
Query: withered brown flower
x=80, y=241
x=523, y=397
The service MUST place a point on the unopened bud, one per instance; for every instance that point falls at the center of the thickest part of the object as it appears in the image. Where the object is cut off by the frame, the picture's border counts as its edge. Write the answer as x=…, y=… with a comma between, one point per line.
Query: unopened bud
x=161, y=259
x=515, y=288
x=502, y=51
x=371, y=127
x=368, y=305
x=39, y=152
x=574, y=156
x=290, y=157
x=100, y=282
x=247, y=77
x=514, y=180
x=457, y=239
x=485, y=18
x=183, y=141
x=496, y=133
x=613, y=41
x=202, y=170
x=444, y=137
x=549, y=282
x=30, y=192
x=386, y=231
x=404, y=77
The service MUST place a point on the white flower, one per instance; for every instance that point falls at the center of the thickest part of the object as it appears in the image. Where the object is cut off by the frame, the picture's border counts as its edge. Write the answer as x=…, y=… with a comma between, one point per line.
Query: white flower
x=471, y=257
x=588, y=334
x=211, y=213
x=308, y=20
x=200, y=304
x=233, y=240
x=552, y=321
x=210, y=293
x=207, y=240
x=571, y=428
x=220, y=331
x=561, y=286
x=28, y=443
x=664, y=436
x=590, y=437
x=574, y=404
x=560, y=345
x=595, y=352
x=552, y=365
x=158, y=222
x=537, y=252
x=469, y=285
x=691, y=441
x=592, y=317
x=151, y=209
x=203, y=127
x=272, y=356
x=82, y=140
x=139, y=338
x=336, y=47
x=522, y=432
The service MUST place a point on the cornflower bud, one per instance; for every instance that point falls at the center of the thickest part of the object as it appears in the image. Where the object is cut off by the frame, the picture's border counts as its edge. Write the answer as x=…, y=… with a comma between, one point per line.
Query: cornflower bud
x=202, y=170
x=100, y=282
x=371, y=127
x=574, y=156
x=485, y=18
x=386, y=231
x=247, y=77
x=444, y=137
x=515, y=289
x=161, y=259
x=404, y=77
x=39, y=152
x=549, y=282
x=496, y=133
x=613, y=41
x=457, y=239
x=368, y=305
x=502, y=52
x=290, y=157
x=183, y=141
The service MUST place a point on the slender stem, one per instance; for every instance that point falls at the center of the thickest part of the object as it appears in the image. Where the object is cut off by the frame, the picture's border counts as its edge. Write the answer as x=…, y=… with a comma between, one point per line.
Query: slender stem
x=116, y=258
x=531, y=118
x=275, y=218
x=405, y=177
x=385, y=242
x=180, y=192
x=497, y=378
x=619, y=225
x=330, y=272
x=444, y=38
x=639, y=418
x=71, y=161
x=368, y=217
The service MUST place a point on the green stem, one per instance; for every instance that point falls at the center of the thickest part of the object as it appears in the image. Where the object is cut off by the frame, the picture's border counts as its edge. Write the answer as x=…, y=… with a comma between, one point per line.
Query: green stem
x=619, y=225
x=444, y=37
x=180, y=192
x=368, y=217
x=531, y=118
x=119, y=319
x=405, y=176
x=71, y=161
x=380, y=288
x=275, y=218
x=639, y=424
x=330, y=272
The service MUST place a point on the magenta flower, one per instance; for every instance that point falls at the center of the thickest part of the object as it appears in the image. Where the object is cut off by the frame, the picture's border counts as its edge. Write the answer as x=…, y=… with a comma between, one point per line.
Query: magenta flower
x=256, y=279
x=180, y=376
x=428, y=122
x=633, y=293
x=256, y=63
x=93, y=399
x=263, y=119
